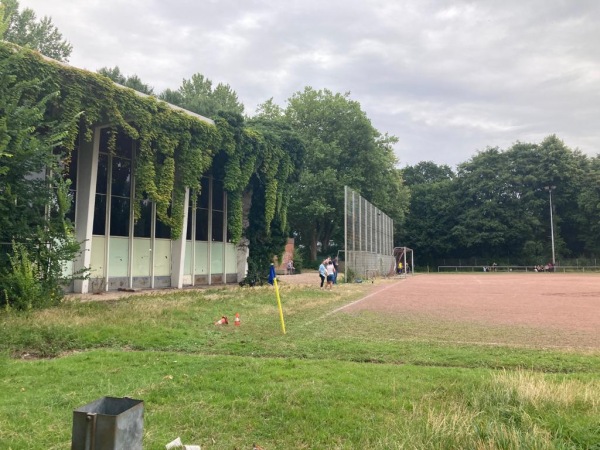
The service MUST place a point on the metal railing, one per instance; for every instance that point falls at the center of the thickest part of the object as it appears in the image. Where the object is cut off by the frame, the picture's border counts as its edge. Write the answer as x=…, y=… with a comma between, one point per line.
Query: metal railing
x=491, y=269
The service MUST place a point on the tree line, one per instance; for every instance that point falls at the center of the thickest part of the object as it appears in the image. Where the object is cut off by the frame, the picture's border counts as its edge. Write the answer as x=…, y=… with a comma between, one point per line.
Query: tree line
x=496, y=206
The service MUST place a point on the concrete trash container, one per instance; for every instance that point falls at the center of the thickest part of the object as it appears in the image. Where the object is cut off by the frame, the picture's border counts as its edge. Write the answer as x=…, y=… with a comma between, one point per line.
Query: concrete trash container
x=109, y=423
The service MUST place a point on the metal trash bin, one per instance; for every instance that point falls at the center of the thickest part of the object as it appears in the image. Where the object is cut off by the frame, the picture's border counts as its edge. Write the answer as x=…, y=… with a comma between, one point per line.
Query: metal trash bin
x=109, y=423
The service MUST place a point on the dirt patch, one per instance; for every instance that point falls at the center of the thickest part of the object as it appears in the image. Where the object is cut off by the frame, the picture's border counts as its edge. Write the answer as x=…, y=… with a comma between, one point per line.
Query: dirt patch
x=310, y=278
x=306, y=278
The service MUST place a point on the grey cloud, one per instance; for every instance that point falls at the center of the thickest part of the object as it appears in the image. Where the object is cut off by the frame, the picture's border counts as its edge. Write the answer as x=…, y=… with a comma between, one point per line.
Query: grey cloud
x=447, y=78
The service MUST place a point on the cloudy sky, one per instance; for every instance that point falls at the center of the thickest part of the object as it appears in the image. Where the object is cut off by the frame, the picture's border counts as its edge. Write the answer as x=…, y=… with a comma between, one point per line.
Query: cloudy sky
x=448, y=78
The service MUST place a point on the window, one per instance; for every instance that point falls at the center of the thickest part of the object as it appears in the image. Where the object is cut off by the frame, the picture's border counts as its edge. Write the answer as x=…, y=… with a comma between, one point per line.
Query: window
x=217, y=213
x=143, y=226
x=201, y=224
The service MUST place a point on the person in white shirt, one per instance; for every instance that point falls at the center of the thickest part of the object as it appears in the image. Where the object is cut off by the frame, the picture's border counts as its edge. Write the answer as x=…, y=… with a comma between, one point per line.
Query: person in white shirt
x=330, y=273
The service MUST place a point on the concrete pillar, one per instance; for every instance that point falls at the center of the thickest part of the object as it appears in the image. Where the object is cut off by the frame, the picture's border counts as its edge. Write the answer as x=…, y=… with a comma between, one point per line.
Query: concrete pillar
x=242, y=253
x=178, y=248
x=87, y=172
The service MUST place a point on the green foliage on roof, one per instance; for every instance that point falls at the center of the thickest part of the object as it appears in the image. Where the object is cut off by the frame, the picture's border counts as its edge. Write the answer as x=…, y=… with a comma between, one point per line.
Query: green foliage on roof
x=175, y=147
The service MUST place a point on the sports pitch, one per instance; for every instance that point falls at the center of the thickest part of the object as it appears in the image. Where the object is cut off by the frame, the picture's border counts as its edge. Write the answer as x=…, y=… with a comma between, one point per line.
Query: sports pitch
x=559, y=310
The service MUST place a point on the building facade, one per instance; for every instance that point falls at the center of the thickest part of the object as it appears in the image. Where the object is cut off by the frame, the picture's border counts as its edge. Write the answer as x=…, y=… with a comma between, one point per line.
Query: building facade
x=122, y=253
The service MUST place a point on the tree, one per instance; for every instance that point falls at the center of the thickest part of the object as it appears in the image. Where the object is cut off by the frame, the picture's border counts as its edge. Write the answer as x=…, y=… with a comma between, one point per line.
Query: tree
x=23, y=29
x=431, y=215
x=503, y=206
x=588, y=201
x=34, y=199
x=171, y=96
x=426, y=172
x=566, y=169
x=269, y=110
x=258, y=162
x=132, y=81
x=198, y=95
x=342, y=148
x=499, y=208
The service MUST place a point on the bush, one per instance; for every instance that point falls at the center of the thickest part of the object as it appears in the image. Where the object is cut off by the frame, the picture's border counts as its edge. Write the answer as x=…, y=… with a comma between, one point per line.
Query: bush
x=22, y=287
x=34, y=276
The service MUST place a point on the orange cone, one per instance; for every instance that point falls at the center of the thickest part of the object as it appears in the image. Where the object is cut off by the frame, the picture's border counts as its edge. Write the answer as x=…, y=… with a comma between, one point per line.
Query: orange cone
x=237, y=320
x=222, y=321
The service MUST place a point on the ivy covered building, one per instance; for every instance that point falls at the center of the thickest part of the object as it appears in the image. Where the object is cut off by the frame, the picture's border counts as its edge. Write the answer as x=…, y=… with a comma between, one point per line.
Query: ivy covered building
x=125, y=251
x=159, y=196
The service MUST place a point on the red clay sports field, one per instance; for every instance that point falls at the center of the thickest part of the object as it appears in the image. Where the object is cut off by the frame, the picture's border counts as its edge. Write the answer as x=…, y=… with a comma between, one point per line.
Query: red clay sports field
x=553, y=309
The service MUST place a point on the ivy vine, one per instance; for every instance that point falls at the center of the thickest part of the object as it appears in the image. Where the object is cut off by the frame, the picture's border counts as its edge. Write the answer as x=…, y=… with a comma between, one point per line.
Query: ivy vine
x=174, y=148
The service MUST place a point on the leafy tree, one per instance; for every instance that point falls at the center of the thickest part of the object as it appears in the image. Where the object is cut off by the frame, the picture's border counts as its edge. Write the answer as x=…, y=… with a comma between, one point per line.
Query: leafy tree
x=269, y=110
x=565, y=169
x=588, y=201
x=197, y=95
x=426, y=172
x=23, y=28
x=171, y=96
x=431, y=215
x=503, y=206
x=497, y=205
x=35, y=200
x=132, y=81
x=498, y=212
x=259, y=160
x=342, y=148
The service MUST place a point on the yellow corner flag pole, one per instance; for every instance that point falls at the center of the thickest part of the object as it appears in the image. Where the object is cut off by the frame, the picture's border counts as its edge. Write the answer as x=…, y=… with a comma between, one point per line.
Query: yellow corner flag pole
x=273, y=281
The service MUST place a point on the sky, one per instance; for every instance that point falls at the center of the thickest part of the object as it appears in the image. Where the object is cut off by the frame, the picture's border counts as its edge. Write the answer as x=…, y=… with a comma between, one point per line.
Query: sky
x=447, y=78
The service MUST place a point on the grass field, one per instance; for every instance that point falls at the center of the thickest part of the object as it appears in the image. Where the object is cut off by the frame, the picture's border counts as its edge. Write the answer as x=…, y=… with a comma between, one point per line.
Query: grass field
x=364, y=379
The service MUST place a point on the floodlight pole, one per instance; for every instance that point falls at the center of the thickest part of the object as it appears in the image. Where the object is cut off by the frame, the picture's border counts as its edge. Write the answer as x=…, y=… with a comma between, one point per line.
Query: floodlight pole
x=549, y=189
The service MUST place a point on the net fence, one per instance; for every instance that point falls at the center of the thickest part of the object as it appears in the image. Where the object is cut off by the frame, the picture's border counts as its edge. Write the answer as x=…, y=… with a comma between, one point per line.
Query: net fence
x=369, y=238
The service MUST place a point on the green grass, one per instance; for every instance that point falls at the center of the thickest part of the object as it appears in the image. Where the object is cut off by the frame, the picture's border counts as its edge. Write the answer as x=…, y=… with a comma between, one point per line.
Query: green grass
x=333, y=381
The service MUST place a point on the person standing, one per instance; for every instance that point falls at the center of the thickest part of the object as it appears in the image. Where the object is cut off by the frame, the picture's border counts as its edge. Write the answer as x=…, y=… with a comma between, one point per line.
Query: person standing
x=323, y=272
x=336, y=266
x=330, y=273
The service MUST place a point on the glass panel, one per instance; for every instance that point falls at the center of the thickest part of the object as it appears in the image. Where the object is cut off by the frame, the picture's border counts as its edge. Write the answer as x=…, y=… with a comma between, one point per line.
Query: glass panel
x=203, y=197
x=118, y=260
x=104, y=134
x=121, y=177
x=143, y=226
x=162, y=257
x=217, y=195
x=140, y=264
x=124, y=145
x=217, y=226
x=102, y=180
x=97, y=257
x=188, y=233
x=187, y=264
x=202, y=225
x=99, y=215
x=119, y=216
x=201, y=267
x=227, y=221
x=216, y=257
x=72, y=175
x=71, y=212
x=230, y=258
x=162, y=231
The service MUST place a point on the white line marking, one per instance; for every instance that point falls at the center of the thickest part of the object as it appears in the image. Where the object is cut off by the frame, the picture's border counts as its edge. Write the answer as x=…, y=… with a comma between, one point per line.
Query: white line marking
x=349, y=304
